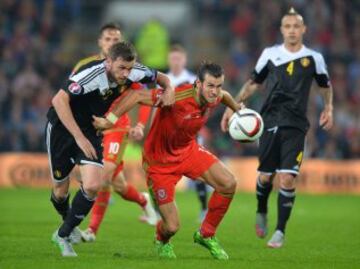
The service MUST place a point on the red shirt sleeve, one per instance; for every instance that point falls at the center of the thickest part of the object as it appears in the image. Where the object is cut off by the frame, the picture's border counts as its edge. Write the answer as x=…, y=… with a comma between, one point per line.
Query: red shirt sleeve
x=143, y=114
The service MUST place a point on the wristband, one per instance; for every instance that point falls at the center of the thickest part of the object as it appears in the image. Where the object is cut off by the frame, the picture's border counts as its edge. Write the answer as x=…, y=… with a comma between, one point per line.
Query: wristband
x=112, y=118
x=139, y=124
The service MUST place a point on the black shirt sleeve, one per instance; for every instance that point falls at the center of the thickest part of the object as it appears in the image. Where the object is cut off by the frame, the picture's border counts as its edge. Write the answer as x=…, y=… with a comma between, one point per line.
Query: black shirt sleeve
x=261, y=69
x=321, y=74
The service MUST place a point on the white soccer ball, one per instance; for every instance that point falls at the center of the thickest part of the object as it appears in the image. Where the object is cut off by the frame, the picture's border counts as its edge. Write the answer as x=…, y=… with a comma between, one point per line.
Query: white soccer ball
x=246, y=125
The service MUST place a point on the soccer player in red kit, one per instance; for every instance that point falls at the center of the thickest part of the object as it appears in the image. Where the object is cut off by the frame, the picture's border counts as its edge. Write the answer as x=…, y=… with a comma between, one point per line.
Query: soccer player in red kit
x=171, y=151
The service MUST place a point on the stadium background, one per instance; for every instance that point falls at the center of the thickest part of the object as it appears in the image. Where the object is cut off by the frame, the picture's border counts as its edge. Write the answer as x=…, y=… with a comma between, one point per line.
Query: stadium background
x=40, y=40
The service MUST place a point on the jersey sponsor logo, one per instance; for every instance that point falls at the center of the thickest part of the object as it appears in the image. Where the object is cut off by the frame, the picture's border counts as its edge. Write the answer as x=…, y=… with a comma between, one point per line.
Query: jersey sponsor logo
x=305, y=62
x=74, y=88
x=161, y=194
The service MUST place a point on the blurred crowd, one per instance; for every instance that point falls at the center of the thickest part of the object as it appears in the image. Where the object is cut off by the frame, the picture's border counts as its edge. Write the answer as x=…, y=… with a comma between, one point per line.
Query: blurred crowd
x=34, y=39
x=331, y=30
x=31, y=42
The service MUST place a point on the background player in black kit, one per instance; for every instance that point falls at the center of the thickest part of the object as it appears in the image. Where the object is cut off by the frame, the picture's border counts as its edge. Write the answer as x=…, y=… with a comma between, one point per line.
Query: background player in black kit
x=71, y=138
x=289, y=69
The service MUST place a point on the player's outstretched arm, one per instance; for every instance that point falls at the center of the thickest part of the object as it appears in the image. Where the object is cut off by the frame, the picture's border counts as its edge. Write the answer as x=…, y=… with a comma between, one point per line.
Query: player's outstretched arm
x=130, y=99
x=326, y=116
x=247, y=90
x=230, y=102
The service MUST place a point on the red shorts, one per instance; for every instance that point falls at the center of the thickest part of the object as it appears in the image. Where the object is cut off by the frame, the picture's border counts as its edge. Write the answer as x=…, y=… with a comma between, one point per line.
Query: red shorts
x=114, y=144
x=163, y=177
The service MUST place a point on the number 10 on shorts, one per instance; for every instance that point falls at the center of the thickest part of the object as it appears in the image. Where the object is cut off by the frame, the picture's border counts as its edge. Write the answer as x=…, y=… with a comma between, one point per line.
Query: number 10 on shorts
x=114, y=148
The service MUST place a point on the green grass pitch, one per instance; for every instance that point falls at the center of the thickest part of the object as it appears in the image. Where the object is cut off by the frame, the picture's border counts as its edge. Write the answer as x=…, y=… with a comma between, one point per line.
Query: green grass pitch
x=323, y=232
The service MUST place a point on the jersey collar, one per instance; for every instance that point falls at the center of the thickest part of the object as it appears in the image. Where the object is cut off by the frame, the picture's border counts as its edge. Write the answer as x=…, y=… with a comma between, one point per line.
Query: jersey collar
x=300, y=51
x=198, y=97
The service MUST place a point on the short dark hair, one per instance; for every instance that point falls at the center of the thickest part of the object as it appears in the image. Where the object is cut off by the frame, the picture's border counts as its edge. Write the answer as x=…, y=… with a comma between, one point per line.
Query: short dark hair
x=110, y=26
x=210, y=68
x=177, y=48
x=293, y=12
x=124, y=50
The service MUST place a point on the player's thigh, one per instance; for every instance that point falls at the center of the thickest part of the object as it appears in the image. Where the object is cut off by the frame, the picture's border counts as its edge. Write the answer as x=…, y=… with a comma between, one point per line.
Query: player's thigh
x=162, y=187
x=60, y=148
x=198, y=161
x=96, y=142
x=220, y=178
x=269, y=151
x=292, y=148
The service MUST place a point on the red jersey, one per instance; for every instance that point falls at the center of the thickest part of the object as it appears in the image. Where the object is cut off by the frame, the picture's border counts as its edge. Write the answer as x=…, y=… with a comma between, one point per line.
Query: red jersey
x=173, y=132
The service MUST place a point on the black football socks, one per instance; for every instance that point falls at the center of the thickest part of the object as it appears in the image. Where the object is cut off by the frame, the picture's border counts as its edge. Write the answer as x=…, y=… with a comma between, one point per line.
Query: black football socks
x=286, y=200
x=262, y=194
x=61, y=204
x=80, y=207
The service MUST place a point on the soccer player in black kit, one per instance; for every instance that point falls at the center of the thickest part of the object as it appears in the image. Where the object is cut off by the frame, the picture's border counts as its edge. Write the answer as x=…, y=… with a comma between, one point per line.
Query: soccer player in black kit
x=289, y=69
x=72, y=139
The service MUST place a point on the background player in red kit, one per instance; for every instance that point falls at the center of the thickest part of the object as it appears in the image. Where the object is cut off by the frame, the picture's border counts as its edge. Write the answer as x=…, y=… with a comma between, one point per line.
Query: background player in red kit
x=171, y=151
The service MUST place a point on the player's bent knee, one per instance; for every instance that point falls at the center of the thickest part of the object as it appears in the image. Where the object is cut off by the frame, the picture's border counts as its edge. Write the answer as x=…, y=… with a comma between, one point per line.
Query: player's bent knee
x=264, y=178
x=228, y=184
x=92, y=187
x=119, y=185
x=61, y=190
x=108, y=175
x=172, y=228
x=60, y=194
x=287, y=181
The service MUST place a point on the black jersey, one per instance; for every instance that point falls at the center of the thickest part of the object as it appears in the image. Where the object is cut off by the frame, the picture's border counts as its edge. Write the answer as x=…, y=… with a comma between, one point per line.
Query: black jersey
x=91, y=92
x=289, y=78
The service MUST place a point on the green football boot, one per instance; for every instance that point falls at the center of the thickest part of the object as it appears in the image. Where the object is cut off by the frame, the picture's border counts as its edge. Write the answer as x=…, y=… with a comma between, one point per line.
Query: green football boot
x=213, y=245
x=164, y=251
x=64, y=245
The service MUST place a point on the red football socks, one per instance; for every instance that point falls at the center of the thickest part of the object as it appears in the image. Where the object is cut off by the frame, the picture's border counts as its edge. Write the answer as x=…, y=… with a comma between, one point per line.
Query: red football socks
x=131, y=194
x=99, y=209
x=218, y=205
x=161, y=235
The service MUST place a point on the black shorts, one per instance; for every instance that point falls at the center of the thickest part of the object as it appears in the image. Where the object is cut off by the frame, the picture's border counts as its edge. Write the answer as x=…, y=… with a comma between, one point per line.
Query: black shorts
x=281, y=150
x=64, y=153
